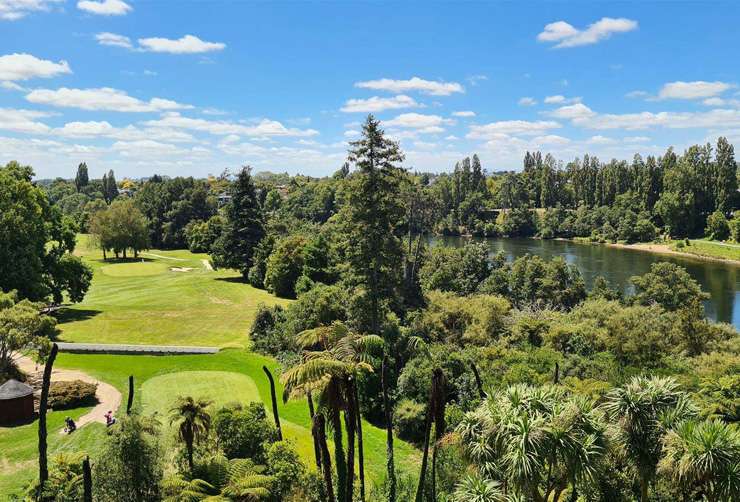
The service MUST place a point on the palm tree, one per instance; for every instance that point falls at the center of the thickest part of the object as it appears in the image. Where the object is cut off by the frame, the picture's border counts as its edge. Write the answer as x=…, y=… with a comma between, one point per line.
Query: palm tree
x=478, y=489
x=537, y=440
x=704, y=455
x=193, y=422
x=332, y=369
x=642, y=410
x=435, y=415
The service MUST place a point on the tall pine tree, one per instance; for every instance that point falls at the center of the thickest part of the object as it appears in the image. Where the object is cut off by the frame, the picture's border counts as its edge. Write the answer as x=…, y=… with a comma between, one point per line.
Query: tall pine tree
x=374, y=252
x=726, y=182
x=81, y=179
x=244, y=227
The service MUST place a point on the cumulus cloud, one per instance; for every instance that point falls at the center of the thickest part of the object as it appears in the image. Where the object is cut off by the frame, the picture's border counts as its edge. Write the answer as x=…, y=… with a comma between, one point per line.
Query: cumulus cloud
x=488, y=131
x=419, y=122
x=114, y=39
x=12, y=10
x=105, y=7
x=559, y=99
x=551, y=139
x=693, y=90
x=189, y=44
x=94, y=129
x=104, y=98
x=527, y=101
x=264, y=128
x=465, y=113
x=576, y=111
x=23, y=121
x=566, y=35
x=430, y=87
x=378, y=104
x=14, y=67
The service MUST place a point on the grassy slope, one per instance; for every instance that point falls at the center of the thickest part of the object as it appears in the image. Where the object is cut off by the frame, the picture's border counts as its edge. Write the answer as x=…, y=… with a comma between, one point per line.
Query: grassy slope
x=713, y=249
x=146, y=303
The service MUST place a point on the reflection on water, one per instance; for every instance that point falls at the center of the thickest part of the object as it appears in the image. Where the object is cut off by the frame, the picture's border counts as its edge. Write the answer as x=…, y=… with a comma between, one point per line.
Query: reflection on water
x=720, y=280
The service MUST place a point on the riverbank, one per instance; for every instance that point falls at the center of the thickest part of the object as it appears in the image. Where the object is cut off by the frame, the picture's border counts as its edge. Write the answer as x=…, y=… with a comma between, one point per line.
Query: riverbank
x=696, y=249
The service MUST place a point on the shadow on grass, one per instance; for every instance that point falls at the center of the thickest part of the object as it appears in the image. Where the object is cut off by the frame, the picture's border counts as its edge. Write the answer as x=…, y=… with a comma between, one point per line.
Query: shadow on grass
x=67, y=314
x=129, y=259
x=236, y=280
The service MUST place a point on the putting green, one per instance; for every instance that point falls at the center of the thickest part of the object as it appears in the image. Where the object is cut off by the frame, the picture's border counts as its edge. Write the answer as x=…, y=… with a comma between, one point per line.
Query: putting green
x=134, y=269
x=159, y=394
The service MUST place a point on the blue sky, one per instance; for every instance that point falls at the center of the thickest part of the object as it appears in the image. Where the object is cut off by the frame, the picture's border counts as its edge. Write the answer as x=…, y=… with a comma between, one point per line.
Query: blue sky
x=192, y=88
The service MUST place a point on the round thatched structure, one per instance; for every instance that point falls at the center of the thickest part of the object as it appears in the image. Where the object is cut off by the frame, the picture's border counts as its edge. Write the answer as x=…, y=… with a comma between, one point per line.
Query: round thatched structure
x=16, y=402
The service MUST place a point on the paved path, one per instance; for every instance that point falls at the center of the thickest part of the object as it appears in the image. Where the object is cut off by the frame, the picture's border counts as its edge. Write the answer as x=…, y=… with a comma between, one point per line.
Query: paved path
x=113, y=348
x=108, y=396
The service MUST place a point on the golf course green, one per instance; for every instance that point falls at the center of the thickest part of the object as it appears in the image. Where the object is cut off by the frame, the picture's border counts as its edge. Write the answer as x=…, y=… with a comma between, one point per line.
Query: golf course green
x=169, y=298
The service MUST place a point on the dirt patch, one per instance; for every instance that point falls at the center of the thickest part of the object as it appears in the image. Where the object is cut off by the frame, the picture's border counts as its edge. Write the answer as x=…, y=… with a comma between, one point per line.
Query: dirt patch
x=180, y=269
x=108, y=396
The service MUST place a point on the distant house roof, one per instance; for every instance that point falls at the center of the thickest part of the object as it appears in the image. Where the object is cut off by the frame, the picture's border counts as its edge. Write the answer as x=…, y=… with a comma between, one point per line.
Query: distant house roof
x=13, y=389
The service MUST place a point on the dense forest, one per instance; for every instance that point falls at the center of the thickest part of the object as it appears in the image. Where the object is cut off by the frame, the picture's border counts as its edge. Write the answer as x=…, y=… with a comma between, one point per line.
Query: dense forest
x=514, y=380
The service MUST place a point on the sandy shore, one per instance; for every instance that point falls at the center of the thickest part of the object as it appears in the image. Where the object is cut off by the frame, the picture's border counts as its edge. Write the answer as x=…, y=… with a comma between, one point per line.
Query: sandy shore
x=667, y=250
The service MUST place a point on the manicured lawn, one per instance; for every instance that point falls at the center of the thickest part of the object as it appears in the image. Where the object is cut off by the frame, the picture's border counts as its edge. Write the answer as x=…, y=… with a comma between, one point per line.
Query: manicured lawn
x=153, y=375
x=145, y=302
x=714, y=249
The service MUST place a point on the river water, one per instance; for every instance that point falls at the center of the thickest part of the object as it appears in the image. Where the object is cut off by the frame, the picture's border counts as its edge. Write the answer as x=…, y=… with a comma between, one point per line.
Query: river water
x=720, y=280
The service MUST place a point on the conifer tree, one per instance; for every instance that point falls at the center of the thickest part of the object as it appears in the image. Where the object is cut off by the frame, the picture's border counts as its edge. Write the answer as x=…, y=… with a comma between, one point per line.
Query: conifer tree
x=243, y=229
x=81, y=179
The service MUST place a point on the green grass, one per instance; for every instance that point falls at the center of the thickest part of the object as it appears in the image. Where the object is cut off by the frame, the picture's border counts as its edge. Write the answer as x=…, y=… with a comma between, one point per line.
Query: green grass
x=712, y=249
x=144, y=302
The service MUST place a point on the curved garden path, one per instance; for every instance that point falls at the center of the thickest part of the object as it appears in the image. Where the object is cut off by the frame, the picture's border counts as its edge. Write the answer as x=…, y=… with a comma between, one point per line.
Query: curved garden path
x=108, y=396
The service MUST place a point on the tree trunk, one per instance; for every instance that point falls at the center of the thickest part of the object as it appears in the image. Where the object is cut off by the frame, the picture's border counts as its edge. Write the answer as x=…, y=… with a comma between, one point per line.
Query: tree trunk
x=274, y=402
x=360, y=452
x=86, y=480
x=316, y=447
x=643, y=490
x=350, y=422
x=43, y=465
x=434, y=466
x=130, y=401
x=124, y=253
x=105, y=258
x=389, y=431
x=478, y=382
x=189, y=447
x=339, y=459
x=425, y=455
x=556, y=376
x=318, y=431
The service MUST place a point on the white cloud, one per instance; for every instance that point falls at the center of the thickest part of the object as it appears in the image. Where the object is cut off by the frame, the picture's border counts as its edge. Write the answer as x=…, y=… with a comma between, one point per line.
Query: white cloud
x=551, y=139
x=104, y=98
x=476, y=79
x=451, y=137
x=378, y=104
x=637, y=94
x=636, y=139
x=189, y=44
x=527, y=101
x=265, y=128
x=506, y=127
x=576, y=111
x=12, y=10
x=718, y=118
x=93, y=129
x=465, y=113
x=15, y=67
x=568, y=36
x=693, y=90
x=431, y=87
x=600, y=140
x=104, y=7
x=420, y=122
x=559, y=99
x=23, y=121
x=114, y=39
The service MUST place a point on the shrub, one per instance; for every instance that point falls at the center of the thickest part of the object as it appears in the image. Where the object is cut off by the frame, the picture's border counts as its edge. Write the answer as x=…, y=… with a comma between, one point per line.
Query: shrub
x=72, y=394
x=284, y=266
x=718, y=228
x=243, y=432
x=409, y=419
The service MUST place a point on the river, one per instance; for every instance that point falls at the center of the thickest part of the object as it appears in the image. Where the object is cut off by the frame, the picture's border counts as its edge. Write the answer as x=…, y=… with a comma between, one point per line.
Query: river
x=720, y=280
